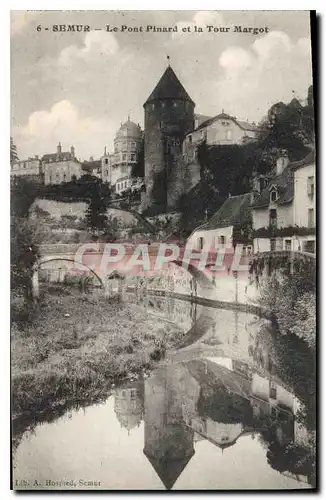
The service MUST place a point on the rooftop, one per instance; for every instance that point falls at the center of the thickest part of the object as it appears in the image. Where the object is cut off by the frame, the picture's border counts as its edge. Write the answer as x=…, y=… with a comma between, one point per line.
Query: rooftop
x=233, y=211
x=169, y=87
x=284, y=183
x=224, y=116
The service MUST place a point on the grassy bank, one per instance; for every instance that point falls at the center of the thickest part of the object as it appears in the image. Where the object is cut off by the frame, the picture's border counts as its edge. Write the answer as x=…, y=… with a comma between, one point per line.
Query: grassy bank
x=75, y=346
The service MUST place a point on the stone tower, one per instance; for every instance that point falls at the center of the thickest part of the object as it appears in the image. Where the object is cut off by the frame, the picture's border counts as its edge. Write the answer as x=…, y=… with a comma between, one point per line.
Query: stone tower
x=169, y=116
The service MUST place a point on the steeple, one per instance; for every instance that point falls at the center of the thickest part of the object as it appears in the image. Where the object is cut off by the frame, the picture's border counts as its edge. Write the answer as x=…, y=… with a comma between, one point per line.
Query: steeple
x=169, y=87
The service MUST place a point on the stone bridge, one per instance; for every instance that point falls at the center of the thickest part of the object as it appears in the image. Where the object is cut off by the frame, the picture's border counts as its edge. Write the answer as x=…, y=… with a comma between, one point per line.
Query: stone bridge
x=62, y=258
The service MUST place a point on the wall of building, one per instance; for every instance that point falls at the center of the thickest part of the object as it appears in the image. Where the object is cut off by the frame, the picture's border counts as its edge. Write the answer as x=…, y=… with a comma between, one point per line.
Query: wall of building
x=302, y=201
x=211, y=238
x=224, y=132
x=62, y=171
x=30, y=167
x=166, y=124
x=285, y=215
x=223, y=433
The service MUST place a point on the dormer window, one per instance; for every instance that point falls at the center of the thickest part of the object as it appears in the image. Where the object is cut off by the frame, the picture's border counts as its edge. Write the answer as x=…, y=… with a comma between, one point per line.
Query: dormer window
x=273, y=194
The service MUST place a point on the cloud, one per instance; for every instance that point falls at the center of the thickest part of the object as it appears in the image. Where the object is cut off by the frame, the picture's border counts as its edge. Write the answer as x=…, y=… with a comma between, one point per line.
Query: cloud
x=267, y=72
x=44, y=129
x=201, y=18
x=235, y=59
x=96, y=44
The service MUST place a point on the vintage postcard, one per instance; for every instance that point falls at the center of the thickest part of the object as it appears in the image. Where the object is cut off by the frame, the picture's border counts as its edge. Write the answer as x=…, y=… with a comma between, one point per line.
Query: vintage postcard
x=163, y=250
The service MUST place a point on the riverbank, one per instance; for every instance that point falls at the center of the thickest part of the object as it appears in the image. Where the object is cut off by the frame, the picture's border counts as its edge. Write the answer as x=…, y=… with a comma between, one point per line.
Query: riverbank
x=75, y=347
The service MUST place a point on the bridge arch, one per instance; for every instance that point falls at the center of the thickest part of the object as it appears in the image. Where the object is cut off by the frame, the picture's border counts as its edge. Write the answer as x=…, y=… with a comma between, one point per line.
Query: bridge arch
x=39, y=263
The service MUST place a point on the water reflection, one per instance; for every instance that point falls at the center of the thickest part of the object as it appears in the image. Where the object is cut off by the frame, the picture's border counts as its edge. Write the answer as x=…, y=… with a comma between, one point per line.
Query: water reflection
x=230, y=401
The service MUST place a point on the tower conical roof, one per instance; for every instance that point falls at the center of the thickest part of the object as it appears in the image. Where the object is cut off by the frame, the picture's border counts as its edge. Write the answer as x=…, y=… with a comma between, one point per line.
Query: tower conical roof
x=169, y=87
x=168, y=469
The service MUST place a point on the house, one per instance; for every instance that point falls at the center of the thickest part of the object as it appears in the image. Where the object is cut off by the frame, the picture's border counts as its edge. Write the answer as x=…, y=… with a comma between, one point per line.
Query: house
x=61, y=166
x=230, y=225
x=283, y=214
x=222, y=130
x=30, y=168
x=92, y=167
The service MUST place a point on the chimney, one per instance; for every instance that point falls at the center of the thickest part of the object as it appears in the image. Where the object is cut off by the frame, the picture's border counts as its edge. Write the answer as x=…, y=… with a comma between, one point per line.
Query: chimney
x=72, y=151
x=59, y=149
x=282, y=162
x=105, y=151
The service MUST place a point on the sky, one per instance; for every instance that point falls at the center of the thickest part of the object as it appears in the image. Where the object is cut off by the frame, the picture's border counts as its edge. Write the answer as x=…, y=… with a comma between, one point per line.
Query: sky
x=78, y=87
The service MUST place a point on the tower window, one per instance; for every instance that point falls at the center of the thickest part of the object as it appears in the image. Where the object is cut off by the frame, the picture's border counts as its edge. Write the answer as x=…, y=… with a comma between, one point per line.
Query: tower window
x=163, y=104
x=273, y=195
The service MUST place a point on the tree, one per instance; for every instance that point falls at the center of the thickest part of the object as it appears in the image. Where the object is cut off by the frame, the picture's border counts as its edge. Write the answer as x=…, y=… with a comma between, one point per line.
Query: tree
x=23, y=195
x=25, y=238
x=13, y=151
x=138, y=168
x=96, y=217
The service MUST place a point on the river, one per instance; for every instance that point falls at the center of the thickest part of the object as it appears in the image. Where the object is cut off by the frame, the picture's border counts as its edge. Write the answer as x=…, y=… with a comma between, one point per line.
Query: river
x=225, y=411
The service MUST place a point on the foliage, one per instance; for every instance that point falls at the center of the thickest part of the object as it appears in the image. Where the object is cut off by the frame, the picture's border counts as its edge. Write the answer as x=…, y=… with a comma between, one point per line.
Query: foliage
x=291, y=298
x=198, y=205
x=25, y=236
x=13, y=151
x=96, y=218
x=270, y=232
x=23, y=194
x=75, y=190
x=138, y=168
x=78, y=356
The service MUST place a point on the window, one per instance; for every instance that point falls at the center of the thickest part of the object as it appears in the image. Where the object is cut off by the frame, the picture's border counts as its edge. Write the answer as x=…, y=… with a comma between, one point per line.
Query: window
x=106, y=173
x=99, y=170
x=50, y=178
x=273, y=195
x=222, y=240
x=273, y=244
x=288, y=244
x=106, y=161
x=201, y=243
x=163, y=104
x=174, y=104
x=190, y=138
x=272, y=390
x=311, y=186
x=133, y=157
x=309, y=246
x=229, y=135
x=64, y=177
x=153, y=106
x=273, y=218
x=311, y=217
x=24, y=165
x=124, y=157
